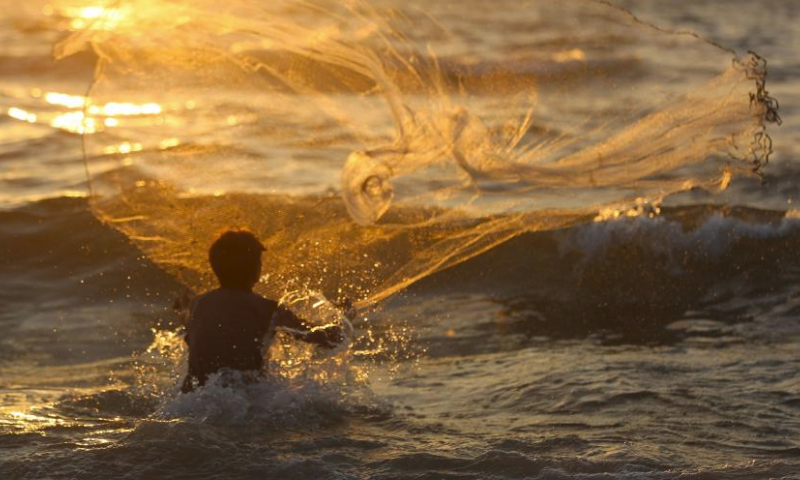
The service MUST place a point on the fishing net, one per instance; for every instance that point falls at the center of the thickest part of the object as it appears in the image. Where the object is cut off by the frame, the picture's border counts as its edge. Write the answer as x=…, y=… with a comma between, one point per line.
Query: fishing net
x=369, y=146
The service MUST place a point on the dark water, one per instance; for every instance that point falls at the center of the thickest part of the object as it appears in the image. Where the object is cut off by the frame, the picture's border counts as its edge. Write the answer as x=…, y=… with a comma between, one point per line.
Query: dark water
x=697, y=376
x=633, y=348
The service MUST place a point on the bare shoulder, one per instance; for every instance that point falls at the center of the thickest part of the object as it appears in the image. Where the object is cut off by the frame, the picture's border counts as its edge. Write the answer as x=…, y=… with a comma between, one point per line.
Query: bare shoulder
x=203, y=298
x=265, y=305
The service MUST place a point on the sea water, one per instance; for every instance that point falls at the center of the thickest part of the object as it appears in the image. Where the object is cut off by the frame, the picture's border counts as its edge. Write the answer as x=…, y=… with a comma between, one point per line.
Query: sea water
x=656, y=342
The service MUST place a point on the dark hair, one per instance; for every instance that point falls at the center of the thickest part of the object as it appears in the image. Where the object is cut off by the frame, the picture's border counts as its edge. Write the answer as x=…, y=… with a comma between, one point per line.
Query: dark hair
x=235, y=258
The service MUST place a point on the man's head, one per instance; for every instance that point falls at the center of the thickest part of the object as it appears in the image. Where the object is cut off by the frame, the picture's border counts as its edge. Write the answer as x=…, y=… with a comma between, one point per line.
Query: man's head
x=236, y=259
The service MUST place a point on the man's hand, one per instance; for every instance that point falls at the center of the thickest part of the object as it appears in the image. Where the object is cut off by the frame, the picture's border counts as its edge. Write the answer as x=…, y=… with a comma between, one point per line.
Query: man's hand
x=345, y=305
x=182, y=306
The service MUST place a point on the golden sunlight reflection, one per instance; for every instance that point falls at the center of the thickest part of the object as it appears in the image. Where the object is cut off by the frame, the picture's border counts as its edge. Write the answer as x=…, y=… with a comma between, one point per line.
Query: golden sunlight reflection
x=21, y=115
x=26, y=421
x=63, y=99
x=168, y=143
x=82, y=118
x=36, y=411
x=38, y=420
x=573, y=55
x=124, y=147
x=108, y=109
x=74, y=122
x=94, y=17
x=125, y=109
x=95, y=441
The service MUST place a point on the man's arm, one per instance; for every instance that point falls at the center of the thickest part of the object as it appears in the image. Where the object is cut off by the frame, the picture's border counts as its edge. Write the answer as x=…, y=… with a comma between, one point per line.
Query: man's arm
x=283, y=317
x=323, y=336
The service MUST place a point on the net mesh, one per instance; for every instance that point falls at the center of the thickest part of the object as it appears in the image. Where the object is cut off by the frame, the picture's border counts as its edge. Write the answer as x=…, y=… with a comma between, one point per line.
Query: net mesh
x=369, y=146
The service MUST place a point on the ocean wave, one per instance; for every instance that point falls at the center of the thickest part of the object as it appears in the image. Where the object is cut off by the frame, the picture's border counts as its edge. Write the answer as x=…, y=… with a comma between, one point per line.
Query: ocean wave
x=631, y=275
x=683, y=236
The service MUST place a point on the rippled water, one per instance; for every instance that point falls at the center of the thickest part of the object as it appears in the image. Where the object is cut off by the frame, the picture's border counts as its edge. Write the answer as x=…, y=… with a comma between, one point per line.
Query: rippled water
x=642, y=348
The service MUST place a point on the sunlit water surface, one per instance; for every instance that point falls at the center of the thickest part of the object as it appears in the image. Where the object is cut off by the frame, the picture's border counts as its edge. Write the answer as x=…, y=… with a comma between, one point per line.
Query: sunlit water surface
x=632, y=347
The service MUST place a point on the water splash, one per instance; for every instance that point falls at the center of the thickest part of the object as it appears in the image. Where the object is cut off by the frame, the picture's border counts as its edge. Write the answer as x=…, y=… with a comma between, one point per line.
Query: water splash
x=301, y=384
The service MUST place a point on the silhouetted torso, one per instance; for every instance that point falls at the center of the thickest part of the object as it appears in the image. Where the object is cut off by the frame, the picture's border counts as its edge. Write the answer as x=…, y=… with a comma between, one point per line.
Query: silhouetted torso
x=225, y=330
